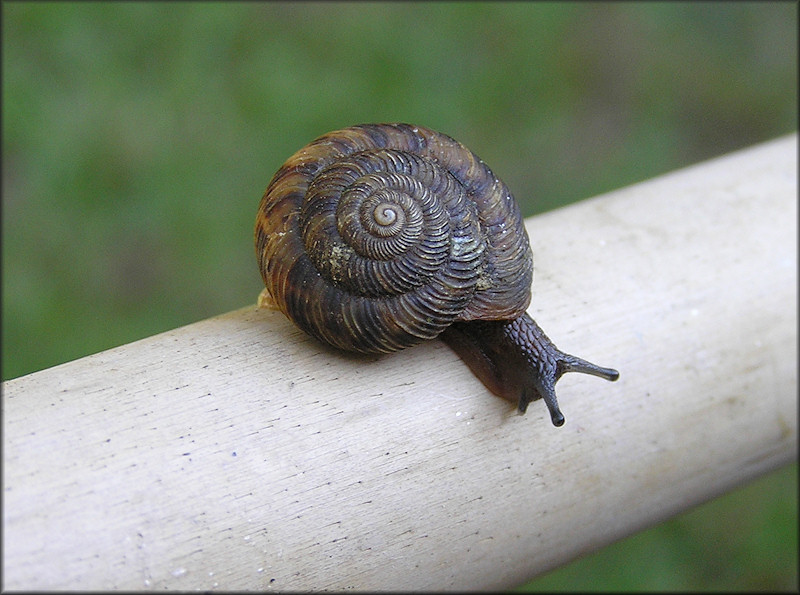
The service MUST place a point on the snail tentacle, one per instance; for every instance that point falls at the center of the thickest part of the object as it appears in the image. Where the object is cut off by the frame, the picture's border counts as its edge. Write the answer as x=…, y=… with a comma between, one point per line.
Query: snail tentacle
x=516, y=360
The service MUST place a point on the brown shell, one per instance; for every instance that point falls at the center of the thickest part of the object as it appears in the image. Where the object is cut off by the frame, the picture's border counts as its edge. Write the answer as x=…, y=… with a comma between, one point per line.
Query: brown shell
x=376, y=237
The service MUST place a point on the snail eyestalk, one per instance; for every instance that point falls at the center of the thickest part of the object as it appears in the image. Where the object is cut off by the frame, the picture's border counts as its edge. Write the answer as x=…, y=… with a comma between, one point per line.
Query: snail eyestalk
x=517, y=361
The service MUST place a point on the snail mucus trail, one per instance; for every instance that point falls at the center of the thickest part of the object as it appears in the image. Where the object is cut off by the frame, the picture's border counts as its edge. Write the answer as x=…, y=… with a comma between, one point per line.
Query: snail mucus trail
x=379, y=236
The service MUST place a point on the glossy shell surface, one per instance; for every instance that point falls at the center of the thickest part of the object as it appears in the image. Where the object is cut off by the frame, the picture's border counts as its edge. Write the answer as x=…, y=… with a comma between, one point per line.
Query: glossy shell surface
x=376, y=237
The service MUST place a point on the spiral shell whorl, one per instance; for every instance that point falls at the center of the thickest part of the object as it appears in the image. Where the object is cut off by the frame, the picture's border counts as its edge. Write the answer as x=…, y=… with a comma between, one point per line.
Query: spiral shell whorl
x=376, y=237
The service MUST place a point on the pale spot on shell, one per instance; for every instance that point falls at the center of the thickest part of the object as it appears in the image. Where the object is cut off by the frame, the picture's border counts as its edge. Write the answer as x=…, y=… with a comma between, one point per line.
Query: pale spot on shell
x=266, y=301
x=384, y=214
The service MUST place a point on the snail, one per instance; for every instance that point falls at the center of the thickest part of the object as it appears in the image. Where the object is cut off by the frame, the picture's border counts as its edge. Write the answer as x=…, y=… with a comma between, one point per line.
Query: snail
x=379, y=236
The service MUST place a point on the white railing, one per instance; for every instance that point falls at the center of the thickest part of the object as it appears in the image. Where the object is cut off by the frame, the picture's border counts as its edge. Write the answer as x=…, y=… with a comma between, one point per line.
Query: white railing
x=237, y=453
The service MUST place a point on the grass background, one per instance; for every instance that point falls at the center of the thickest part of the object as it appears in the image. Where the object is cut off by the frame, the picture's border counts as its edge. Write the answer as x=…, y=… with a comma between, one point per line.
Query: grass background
x=138, y=139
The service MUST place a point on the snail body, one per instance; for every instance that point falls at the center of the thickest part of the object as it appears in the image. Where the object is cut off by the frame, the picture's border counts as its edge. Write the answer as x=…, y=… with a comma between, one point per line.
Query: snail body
x=380, y=236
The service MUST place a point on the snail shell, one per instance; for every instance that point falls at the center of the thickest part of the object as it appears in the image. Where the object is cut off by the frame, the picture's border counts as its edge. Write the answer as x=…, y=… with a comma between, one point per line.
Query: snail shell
x=396, y=231
x=379, y=236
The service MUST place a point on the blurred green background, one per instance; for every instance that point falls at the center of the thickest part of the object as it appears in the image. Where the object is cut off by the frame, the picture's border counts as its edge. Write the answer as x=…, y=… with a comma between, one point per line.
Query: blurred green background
x=138, y=139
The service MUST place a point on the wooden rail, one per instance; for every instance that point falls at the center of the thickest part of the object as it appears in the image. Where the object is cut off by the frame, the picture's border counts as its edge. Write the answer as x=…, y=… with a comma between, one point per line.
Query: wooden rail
x=237, y=453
